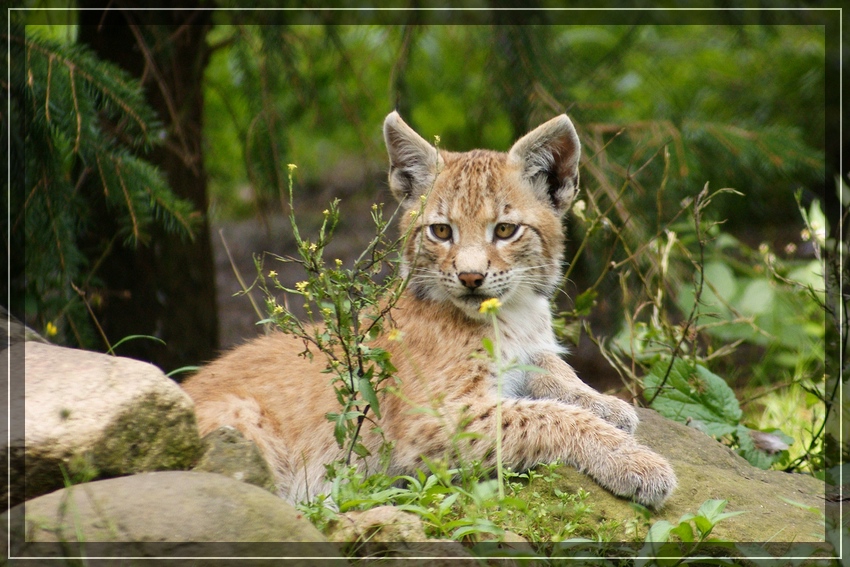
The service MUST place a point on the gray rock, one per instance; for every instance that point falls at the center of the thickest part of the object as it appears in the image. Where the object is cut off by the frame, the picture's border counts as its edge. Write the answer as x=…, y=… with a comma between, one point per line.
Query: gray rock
x=387, y=531
x=229, y=453
x=707, y=470
x=164, y=514
x=97, y=416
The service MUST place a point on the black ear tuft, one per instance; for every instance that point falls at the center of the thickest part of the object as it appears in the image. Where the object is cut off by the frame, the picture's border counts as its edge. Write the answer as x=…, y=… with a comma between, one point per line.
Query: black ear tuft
x=413, y=161
x=548, y=157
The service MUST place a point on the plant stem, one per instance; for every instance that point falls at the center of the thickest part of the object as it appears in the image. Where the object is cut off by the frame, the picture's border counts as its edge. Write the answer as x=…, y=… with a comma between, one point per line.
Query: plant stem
x=497, y=358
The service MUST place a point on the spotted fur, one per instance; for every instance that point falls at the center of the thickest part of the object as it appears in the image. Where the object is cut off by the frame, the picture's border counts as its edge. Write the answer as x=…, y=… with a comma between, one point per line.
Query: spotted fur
x=484, y=225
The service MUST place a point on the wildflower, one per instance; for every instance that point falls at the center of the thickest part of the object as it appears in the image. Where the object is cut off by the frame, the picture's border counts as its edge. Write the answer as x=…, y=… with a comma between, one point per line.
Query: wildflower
x=292, y=167
x=51, y=329
x=272, y=274
x=301, y=286
x=490, y=306
x=395, y=335
x=326, y=212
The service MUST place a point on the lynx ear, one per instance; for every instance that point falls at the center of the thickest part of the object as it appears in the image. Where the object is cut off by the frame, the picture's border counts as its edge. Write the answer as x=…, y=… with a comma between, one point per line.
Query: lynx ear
x=548, y=159
x=413, y=161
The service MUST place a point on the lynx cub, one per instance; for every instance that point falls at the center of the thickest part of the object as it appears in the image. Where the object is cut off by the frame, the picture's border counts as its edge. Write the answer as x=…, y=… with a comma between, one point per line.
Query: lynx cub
x=491, y=228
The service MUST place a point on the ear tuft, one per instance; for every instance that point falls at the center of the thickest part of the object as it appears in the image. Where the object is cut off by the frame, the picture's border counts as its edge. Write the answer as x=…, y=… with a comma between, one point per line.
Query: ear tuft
x=413, y=161
x=548, y=158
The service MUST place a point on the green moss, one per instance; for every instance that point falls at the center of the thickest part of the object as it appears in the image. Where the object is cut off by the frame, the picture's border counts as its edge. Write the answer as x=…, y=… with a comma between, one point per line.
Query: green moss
x=143, y=439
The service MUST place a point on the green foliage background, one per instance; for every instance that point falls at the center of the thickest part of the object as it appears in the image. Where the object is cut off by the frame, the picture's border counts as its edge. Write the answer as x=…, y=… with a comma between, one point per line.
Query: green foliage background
x=661, y=110
x=741, y=106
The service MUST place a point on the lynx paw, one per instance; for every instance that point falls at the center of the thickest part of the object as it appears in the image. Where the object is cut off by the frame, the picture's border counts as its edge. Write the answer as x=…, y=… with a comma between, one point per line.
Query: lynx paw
x=642, y=475
x=613, y=410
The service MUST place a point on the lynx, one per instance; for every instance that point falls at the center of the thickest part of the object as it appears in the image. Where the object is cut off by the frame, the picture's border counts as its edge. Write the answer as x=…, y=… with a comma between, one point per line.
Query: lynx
x=490, y=227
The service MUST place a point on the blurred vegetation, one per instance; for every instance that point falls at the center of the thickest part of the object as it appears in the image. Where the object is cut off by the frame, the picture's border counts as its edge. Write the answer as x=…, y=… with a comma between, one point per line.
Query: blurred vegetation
x=662, y=110
x=741, y=106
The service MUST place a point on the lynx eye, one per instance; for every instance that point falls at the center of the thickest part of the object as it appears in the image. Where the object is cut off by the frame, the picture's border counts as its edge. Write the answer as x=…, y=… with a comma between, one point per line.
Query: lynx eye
x=441, y=231
x=505, y=230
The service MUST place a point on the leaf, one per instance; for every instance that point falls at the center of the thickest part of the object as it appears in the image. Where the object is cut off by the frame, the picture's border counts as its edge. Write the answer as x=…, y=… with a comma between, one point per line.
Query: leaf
x=757, y=298
x=480, y=526
x=585, y=302
x=749, y=448
x=693, y=393
x=487, y=343
x=710, y=508
x=711, y=513
x=659, y=532
x=367, y=390
x=684, y=532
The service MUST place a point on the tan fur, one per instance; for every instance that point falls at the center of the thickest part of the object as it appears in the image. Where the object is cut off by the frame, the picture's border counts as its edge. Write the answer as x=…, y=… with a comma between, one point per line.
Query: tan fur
x=444, y=384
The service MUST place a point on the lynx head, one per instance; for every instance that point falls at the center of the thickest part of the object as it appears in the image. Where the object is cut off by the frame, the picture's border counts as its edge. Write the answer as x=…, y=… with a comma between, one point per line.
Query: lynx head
x=484, y=224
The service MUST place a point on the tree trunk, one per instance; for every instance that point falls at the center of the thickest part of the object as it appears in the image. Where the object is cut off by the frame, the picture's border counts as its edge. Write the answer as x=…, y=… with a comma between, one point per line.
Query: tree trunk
x=167, y=288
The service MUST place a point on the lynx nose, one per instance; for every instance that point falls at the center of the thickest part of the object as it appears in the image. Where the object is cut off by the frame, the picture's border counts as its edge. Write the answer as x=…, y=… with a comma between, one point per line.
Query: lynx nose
x=472, y=280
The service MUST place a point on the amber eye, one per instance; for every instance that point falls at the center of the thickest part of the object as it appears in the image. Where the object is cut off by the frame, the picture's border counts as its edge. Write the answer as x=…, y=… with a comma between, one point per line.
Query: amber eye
x=505, y=230
x=441, y=231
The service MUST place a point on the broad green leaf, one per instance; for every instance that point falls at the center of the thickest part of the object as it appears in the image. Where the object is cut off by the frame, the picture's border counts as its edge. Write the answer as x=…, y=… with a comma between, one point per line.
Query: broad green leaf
x=659, y=532
x=757, y=297
x=367, y=390
x=748, y=449
x=719, y=287
x=704, y=525
x=684, y=532
x=585, y=301
x=710, y=508
x=693, y=395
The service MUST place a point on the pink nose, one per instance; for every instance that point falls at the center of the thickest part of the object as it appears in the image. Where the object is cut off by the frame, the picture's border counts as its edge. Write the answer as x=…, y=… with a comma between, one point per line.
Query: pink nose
x=472, y=280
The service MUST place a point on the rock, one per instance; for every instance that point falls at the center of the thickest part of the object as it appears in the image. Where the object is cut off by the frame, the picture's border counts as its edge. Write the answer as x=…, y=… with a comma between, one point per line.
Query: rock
x=229, y=453
x=709, y=470
x=386, y=531
x=99, y=416
x=165, y=514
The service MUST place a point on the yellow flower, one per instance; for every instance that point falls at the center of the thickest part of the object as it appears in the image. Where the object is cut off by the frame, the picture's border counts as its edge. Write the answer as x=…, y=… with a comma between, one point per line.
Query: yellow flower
x=51, y=329
x=272, y=274
x=301, y=286
x=292, y=166
x=395, y=335
x=490, y=306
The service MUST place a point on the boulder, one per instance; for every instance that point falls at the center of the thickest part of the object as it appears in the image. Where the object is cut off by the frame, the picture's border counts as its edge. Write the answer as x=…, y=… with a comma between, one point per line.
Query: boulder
x=89, y=415
x=227, y=452
x=165, y=514
x=707, y=470
x=387, y=531
x=779, y=508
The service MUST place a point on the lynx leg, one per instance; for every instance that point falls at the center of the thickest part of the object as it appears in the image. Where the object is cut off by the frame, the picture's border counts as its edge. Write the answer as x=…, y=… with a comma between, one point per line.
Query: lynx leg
x=560, y=382
x=542, y=431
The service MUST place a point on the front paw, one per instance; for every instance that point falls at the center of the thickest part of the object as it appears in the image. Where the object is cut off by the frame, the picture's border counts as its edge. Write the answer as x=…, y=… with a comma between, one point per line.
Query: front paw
x=613, y=410
x=616, y=412
x=640, y=474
